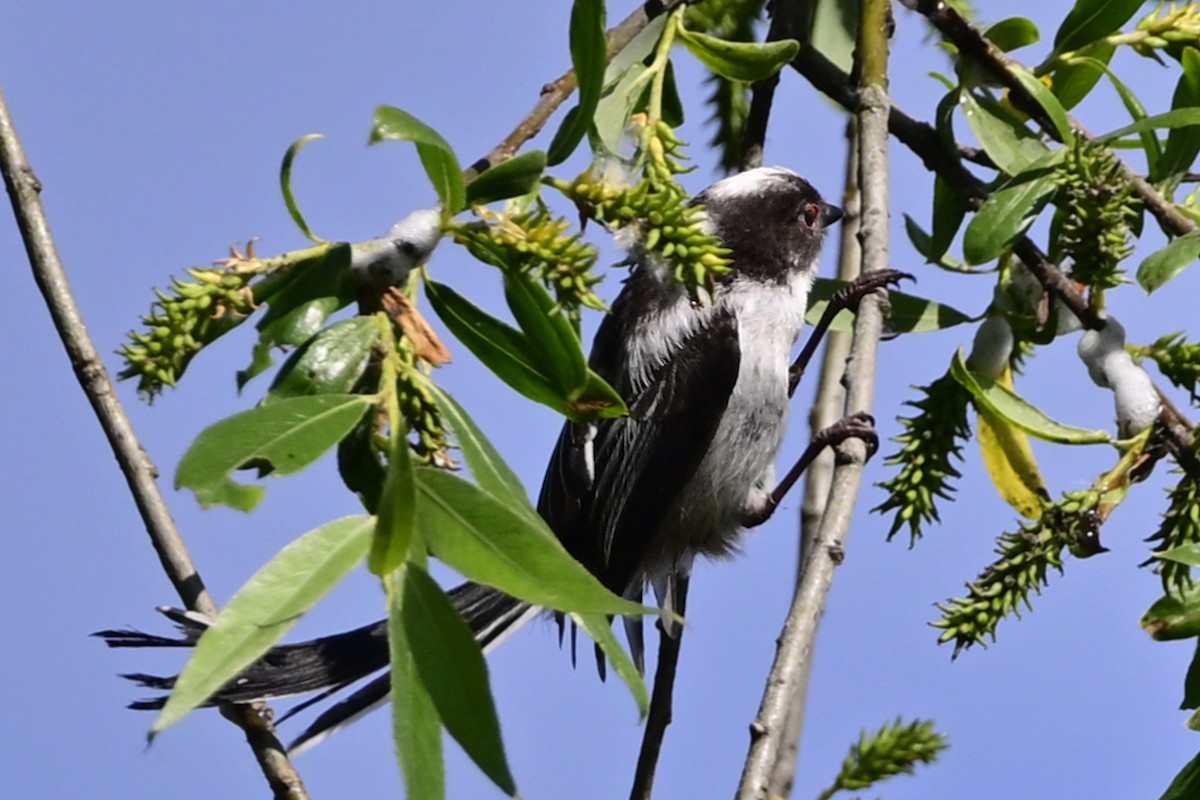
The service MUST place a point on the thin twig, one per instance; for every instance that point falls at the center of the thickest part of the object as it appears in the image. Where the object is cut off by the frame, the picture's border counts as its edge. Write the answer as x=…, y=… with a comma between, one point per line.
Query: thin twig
x=662, y=698
x=828, y=406
x=799, y=632
x=24, y=191
x=971, y=43
x=557, y=91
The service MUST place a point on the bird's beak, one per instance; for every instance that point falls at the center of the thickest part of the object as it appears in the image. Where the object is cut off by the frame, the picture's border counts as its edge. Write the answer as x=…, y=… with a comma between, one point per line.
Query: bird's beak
x=829, y=215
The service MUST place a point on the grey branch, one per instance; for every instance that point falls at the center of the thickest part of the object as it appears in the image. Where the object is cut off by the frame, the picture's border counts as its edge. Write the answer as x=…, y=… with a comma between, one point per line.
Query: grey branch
x=24, y=190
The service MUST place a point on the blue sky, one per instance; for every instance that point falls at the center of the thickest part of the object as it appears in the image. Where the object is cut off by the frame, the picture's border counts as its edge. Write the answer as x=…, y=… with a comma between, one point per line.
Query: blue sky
x=157, y=131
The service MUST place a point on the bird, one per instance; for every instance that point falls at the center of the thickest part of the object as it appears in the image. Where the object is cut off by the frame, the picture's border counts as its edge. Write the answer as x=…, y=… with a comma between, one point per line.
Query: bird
x=635, y=499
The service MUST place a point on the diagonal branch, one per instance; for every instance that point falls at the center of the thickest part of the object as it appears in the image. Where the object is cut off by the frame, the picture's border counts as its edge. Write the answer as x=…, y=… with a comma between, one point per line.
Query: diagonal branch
x=971, y=42
x=555, y=93
x=24, y=191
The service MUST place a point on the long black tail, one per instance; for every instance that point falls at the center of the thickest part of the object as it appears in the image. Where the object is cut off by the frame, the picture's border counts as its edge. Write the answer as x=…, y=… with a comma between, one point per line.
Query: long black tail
x=325, y=665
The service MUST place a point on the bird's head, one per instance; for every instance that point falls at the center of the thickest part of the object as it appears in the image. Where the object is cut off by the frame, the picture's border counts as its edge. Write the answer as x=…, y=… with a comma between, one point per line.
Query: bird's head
x=773, y=220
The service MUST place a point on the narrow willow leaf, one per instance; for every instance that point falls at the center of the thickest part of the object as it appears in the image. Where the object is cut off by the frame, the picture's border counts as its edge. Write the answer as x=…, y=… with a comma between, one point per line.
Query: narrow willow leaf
x=1009, y=460
x=329, y=363
x=909, y=314
x=922, y=242
x=451, y=667
x=1049, y=103
x=437, y=157
x=1183, y=554
x=493, y=543
x=285, y=185
x=416, y=726
x=834, y=27
x=1092, y=20
x=1191, y=683
x=599, y=628
x=554, y=342
x=1074, y=79
x=1178, y=118
x=1174, y=616
x=263, y=610
x=316, y=288
x=1020, y=412
x=1183, y=144
x=283, y=437
x=517, y=176
x=739, y=61
x=1006, y=215
x=1137, y=111
x=948, y=212
x=1186, y=785
x=358, y=464
x=1013, y=33
x=1006, y=140
x=1161, y=267
x=487, y=467
x=589, y=55
x=502, y=349
x=397, y=512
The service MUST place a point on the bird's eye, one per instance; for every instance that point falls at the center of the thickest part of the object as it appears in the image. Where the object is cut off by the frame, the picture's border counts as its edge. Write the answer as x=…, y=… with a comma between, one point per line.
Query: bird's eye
x=812, y=215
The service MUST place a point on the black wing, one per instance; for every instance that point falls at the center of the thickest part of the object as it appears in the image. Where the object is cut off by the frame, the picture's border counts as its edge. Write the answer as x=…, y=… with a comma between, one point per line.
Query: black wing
x=606, y=508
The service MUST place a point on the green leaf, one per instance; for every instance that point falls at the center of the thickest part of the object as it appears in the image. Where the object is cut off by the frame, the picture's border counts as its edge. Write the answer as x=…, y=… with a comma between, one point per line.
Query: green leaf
x=329, y=363
x=1091, y=20
x=948, y=212
x=441, y=165
x=513, y=178
x=416, y=726
x=1074, y=79
x=1006, y=215
x=909, y=314
x=1178, y=118
x=1049, y=103
x=451, y=667
x=1183, y=144
x=493, y=543
x=1174, y=616
x=1005, y=403
x=397, y=512
x=359, y=466
x=1150, y=143
x=285, y=185
x=551, y=336
x=923, y=243
x=1005, y=139
x=1183, y=554
x=589, y=56
x=599, y=628
x=739, y=61
x=487, y=467
x=263, y=610
x=317, y=287
x=513, y=358
x=1191, y=683
x=283, y=437
x=502, y=349
x=1161, y=267
x=834, y=27
x=1013, y=33
x=1186, y=785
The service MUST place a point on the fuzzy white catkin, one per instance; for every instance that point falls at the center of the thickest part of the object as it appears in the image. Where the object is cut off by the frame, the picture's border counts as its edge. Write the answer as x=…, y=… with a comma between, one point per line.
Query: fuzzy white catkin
x=392, y=257
x=1109, y=365
x=992, y=347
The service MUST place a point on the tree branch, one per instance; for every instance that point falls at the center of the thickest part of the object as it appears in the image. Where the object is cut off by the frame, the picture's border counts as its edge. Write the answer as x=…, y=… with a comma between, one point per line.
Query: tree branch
x=24, y=191
x=557, y=91
x=785, y=24
x=828, y=406
x=974, y=45
x=799, y=632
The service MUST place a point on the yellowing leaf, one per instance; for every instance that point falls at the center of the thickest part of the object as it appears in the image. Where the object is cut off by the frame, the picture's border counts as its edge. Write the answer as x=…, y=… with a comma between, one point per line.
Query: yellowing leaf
x=1009, y=459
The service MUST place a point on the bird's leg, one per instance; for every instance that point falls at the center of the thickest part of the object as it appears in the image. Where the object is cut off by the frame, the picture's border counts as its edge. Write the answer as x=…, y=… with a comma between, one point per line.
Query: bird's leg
x=659, y=716
x=856, y=426
x=847, y=297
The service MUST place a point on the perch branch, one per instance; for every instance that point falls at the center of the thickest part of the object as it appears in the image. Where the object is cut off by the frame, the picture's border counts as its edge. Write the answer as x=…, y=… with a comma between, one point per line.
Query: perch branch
x=24, y=191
